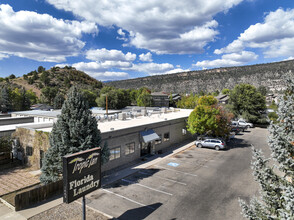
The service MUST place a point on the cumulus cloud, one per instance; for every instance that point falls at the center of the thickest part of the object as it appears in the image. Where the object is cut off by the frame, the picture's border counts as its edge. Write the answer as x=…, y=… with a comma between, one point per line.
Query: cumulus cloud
x=109, y=55
x=146, y=57
x=40, y=37
x=163, y=27
x=152, y=68
x=233, y=59
x=275, y=36
x=101, y=71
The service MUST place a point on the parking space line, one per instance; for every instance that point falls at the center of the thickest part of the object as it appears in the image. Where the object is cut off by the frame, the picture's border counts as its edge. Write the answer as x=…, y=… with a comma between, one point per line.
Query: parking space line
x=175, y=170
x=157, y=190
x=138, y=203
x=164, y=178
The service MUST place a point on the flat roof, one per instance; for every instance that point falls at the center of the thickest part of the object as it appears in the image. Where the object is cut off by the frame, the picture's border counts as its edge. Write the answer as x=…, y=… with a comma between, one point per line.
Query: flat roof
x=52, y=114
x=114, y=125
x=25, y=125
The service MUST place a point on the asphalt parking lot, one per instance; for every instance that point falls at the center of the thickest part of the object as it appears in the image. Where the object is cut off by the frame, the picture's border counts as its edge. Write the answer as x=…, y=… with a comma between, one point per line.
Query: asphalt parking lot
x=193, y=184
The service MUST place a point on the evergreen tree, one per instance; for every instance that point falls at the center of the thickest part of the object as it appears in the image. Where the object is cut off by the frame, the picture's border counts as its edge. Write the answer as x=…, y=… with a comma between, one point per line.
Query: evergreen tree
x=58, y=101
x=75, y=130
x=277, y=190
x=5, y=101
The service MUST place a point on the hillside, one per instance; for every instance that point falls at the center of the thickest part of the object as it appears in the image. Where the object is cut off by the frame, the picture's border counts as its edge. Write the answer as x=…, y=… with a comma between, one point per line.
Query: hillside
x=268, y=75
x=60, y=78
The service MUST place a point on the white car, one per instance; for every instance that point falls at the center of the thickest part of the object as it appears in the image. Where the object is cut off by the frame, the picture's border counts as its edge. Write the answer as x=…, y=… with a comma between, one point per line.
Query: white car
x=245, y=124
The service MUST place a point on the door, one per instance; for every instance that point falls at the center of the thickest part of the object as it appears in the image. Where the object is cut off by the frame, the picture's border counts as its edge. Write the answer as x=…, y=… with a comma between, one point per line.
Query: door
x=145, y=149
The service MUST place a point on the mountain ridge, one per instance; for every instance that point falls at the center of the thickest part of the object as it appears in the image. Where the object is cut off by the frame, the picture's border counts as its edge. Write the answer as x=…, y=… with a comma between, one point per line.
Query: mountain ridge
x=268, y=75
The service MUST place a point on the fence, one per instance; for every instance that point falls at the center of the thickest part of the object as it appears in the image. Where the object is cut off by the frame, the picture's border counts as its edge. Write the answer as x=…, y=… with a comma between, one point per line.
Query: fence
x=41, y=193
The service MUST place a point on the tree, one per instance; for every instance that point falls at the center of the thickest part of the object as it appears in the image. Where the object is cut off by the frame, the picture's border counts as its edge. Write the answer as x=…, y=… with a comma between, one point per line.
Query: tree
x=45, y=78
x=12, y=76
x=20, y=100
x=5, y=100
x=144, y=99
x=209, y=118
x=32, y=96
x=226, y=91
x=75, y=130
x=277, y=189
x=49, y=94
x=41, y=69
x=188, y=102
x=58, y=101
x=247, y=102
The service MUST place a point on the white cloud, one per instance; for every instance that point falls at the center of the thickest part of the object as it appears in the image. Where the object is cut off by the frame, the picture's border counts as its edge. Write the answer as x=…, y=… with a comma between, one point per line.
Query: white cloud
x=40, y=37
x=275, y=36
x=152, y=68
x=233, y=59
x=109, y=55
x=2, y=56
x=101, y=71
x=146, y=57
x=163, y=27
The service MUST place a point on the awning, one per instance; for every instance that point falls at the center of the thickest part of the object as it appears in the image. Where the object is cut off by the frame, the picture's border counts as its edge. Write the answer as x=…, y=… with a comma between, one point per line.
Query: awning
x=149, y=136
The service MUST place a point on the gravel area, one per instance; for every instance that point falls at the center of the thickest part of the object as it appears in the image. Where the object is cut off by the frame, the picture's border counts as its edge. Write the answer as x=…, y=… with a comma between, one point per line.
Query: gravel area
x=72, y=211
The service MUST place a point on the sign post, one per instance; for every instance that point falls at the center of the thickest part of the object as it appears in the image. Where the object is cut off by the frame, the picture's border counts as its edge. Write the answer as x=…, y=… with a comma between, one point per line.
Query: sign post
x=81, y=175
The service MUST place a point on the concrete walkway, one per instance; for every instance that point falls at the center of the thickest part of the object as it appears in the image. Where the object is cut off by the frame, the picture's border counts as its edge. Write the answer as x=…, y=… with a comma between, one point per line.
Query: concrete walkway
x=6, y=213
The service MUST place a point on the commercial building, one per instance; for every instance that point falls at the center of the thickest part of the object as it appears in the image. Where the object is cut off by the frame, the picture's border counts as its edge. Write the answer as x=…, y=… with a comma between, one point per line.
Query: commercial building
x=130, y=136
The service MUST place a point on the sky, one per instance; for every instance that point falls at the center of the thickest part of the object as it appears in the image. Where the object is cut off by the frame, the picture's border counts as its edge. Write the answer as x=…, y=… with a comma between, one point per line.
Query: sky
x=123, y=39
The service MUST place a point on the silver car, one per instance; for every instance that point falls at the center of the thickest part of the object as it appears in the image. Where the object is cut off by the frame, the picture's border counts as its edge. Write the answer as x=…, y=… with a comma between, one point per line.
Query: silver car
x=216, y=144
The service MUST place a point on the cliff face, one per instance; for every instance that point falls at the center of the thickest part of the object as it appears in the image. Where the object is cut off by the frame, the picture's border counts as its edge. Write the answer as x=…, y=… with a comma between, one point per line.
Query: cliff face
x=268, y=75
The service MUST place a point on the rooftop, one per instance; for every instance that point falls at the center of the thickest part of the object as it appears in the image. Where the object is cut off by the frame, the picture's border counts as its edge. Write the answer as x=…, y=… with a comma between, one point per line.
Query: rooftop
x=116, y=124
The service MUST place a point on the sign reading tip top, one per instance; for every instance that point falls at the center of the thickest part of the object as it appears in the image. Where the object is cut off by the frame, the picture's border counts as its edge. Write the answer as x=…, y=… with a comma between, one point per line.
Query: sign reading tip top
x=81, y=174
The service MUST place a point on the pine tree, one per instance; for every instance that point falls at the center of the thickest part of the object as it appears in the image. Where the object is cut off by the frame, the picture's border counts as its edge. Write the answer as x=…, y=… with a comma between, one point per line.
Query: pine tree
x=75, y=130
x=277, y=190
x=5, y=101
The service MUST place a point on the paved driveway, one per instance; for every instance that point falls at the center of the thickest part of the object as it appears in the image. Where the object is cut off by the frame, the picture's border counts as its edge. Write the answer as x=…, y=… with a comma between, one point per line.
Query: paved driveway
x=194, y=184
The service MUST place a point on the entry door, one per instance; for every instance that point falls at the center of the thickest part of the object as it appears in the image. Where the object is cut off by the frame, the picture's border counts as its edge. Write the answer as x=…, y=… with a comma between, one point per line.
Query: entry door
x=144, y=149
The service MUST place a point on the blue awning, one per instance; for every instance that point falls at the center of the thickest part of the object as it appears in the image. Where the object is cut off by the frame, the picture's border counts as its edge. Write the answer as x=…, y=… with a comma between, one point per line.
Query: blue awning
x=149, y=136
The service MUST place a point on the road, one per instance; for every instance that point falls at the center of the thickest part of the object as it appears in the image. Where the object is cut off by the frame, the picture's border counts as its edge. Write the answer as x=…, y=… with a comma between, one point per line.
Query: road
x=194, y=184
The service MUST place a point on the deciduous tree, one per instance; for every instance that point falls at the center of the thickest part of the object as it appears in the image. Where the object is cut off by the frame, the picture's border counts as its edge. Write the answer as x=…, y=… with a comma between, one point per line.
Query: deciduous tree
x=247, y=102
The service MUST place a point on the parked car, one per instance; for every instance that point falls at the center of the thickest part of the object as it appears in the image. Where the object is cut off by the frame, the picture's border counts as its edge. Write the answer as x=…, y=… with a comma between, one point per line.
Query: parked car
x=236, y=127
x=243, y=123
x=214, y=143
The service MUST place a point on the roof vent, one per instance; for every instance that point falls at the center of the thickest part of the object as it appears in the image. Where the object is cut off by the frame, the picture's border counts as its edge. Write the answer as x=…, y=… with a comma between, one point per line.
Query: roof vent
x=112, y=129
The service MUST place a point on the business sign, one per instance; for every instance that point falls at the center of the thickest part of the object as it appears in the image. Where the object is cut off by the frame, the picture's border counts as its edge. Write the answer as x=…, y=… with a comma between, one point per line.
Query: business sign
x=81, y=174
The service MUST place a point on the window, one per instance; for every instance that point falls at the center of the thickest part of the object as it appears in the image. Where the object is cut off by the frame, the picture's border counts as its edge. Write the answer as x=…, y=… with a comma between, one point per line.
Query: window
x=184, y=131
x=166, y=137
x=114, y=153
x=159, y=140
x=130, y=148
x=29, y=151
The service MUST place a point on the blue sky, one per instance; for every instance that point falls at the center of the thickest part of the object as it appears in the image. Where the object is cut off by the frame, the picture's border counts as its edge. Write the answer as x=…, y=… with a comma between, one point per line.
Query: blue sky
x=121, y=39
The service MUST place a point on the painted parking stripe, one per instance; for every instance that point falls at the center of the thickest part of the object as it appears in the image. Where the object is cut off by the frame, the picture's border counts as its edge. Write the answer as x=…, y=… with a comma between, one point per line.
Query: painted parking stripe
x=175, y=170
x=157, y=190
x=138, y=203
x=164, y=178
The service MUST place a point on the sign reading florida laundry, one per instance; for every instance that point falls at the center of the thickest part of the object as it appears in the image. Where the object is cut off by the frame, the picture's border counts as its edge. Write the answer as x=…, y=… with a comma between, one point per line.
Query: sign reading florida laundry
x=81, y=174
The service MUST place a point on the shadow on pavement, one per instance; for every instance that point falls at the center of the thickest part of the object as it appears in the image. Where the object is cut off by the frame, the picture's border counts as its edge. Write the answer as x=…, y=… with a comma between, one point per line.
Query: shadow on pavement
x=140, y=213
x=133, y=179
x=237, y=143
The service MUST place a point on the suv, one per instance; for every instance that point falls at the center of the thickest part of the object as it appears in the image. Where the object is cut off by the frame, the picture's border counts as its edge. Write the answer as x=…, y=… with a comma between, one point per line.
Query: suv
x=245, y=124
x=217, y=144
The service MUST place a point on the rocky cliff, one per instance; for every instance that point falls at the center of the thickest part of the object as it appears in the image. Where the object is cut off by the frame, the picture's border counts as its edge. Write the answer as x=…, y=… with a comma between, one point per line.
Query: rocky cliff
x=268, y=75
